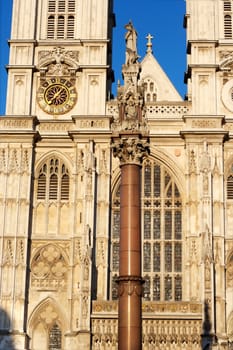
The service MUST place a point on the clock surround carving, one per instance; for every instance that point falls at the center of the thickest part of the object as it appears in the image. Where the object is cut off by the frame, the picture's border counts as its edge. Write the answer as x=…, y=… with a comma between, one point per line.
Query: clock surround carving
x=57, y=93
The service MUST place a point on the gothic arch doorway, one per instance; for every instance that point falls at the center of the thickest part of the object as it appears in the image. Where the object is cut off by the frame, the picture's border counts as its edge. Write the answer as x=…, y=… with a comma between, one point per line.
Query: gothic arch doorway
x=45, y=327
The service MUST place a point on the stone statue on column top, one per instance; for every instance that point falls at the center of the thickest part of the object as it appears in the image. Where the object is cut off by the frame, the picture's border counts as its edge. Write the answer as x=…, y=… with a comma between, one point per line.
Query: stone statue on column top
x=131, y=44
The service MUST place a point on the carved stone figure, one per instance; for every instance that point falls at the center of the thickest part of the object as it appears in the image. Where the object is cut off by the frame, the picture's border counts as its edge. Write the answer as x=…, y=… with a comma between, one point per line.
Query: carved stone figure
x=131, y=44
x=130, y=121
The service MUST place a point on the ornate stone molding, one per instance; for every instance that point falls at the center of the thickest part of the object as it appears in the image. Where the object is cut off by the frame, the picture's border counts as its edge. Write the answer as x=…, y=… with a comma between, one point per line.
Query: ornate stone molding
x=58, y=61
x=130, y=150
x=101, y=306
x=226, y=62
x=49, y=269
x=161, y=334
x=14, y=123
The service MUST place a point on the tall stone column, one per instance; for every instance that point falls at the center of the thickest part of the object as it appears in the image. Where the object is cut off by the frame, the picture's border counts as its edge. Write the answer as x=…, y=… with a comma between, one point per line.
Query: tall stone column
x=130, y=145
x=130, y=149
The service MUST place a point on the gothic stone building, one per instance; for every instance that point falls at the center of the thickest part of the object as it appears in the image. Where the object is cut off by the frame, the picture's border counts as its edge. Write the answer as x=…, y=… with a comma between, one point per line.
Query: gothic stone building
x=60, y=182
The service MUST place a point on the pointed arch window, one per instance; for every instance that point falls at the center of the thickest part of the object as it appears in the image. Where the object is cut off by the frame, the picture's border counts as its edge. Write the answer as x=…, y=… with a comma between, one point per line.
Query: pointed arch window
x=161, y=207
x=61, y=19
x=53, y=181
x=150, y=90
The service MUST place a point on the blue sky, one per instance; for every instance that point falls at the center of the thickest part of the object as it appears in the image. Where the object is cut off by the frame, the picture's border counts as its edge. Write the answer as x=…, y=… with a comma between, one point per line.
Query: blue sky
x=161, y=18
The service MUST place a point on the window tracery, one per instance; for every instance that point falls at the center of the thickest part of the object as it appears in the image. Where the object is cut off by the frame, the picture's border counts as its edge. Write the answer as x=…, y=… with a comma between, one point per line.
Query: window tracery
x=46, y=326
x=53, y=181
x=49, y=269
x=161, y=234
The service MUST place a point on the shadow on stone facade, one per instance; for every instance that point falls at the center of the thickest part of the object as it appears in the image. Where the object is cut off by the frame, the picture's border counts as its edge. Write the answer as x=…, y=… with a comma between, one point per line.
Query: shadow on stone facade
x=207, y=336
x=6, y=339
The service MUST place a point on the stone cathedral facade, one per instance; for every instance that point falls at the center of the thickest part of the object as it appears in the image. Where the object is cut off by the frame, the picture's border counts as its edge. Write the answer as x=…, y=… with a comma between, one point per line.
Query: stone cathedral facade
x=60, y=183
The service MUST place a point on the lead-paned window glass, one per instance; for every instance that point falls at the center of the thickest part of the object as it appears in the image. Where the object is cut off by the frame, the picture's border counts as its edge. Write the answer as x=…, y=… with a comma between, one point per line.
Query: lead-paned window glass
x=147, y=224
x=178, y=257
x=115, y=260
x=114, y=287
x=156, y=287
x=156, y=224
x=168, y=257
x=116, y=224
x=168, y=224
x=147, y=257
x=168, y=288
x=178, y=288
x=146, y=288
x=55, y=338
x=147, y=183
x=161, y=207
x=156, y=257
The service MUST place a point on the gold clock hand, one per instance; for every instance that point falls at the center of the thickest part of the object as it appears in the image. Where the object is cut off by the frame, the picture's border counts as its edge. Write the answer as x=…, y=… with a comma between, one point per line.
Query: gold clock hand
x=54, y=96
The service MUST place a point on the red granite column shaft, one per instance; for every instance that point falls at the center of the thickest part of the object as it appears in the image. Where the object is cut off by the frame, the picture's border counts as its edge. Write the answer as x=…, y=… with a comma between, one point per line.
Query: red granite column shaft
x=130, y=281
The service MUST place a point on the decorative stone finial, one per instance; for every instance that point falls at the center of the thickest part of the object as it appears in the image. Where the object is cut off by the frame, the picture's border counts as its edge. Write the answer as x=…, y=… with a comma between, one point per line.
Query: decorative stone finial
x=149, y=37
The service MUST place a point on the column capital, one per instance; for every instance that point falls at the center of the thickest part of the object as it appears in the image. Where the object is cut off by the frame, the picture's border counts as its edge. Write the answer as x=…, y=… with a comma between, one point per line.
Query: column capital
x=130, y=149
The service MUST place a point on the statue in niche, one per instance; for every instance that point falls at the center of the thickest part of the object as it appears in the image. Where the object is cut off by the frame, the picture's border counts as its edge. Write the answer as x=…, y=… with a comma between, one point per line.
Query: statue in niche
x=130, y=114
x=206, y=243
x=131, y=44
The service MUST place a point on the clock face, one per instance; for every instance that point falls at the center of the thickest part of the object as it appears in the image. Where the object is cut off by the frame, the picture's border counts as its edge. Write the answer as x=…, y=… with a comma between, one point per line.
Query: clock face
x=56, y=96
